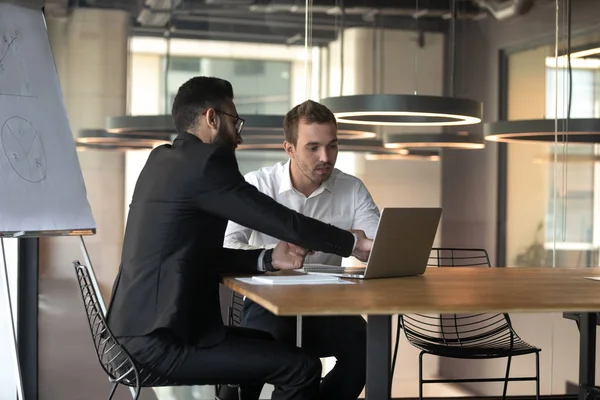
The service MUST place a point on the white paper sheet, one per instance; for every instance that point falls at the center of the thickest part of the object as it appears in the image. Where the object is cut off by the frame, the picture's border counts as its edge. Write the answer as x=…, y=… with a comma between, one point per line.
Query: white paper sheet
x=294, y=280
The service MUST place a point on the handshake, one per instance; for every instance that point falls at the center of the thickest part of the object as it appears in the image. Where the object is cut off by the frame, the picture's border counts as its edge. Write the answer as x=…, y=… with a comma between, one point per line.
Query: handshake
x=289, y=256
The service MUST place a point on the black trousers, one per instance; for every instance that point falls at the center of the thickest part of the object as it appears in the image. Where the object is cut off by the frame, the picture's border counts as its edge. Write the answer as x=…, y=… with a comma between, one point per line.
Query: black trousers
x=246, y=357
x=344, y=337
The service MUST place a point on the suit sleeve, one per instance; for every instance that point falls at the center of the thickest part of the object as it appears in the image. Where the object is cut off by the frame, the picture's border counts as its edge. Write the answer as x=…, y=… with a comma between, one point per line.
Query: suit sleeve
x=224, y=192
x=238, y=261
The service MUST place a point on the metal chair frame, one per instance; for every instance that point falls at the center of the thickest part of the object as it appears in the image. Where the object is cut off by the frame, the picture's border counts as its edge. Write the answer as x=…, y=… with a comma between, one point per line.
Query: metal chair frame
x=234, y=318
x=114, y=359
x=466, y=336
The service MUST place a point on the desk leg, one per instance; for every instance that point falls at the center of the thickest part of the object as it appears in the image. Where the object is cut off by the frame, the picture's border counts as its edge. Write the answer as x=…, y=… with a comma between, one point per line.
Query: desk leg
x=379, y=352
x=587, y=352
x=299, y=331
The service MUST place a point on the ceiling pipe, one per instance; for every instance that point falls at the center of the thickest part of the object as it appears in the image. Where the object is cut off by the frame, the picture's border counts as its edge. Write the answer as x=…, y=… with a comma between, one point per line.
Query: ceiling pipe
x=503, y=9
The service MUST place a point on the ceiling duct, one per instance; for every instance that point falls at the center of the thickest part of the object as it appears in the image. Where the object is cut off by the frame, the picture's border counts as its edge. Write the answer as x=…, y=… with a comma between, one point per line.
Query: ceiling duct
x=56, y=8
x=503, y=9
x=157, y=12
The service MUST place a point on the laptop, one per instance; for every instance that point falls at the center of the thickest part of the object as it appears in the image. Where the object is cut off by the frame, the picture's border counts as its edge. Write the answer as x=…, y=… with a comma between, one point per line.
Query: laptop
x=401, y=246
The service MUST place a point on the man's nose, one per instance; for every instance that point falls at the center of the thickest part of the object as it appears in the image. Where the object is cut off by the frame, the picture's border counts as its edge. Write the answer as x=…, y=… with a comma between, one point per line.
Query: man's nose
x=239, y=139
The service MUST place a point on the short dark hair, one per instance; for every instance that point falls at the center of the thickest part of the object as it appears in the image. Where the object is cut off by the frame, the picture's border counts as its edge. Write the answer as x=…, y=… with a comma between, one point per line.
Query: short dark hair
x=309, y=112
x=197, y=95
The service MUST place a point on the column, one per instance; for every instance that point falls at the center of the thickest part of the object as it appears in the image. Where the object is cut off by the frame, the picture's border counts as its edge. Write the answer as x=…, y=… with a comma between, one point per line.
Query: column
x=90, y=50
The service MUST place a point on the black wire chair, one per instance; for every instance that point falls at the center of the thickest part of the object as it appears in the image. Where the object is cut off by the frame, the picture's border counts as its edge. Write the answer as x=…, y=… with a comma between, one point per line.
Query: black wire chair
x=234, y=318
x=114, y=359
x=235, y=310
x=466, y=336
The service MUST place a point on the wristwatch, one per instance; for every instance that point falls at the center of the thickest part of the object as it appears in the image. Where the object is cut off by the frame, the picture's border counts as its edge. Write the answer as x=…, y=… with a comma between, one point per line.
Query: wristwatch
x=267, y=261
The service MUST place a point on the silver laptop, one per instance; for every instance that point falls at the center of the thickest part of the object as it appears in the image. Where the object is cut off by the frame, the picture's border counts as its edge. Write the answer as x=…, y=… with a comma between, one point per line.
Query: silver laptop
x=401, y=246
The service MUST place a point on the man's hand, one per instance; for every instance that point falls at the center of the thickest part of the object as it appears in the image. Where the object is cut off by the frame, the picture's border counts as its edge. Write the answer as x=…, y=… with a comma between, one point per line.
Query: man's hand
x=288, y=256
x=363, y=246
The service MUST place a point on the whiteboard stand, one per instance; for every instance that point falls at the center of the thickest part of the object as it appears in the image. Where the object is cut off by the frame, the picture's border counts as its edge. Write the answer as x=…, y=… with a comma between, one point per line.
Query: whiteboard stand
x=12, y=324
x=88, y=262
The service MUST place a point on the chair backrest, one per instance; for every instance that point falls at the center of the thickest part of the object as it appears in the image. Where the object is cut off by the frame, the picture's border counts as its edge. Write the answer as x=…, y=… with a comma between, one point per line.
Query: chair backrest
x=113, y=358
x=235, y=309
x=458, y=329
x=456, y=257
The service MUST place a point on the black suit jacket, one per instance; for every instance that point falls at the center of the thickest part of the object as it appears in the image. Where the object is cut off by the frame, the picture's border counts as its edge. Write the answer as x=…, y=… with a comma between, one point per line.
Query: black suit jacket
x=173, y=251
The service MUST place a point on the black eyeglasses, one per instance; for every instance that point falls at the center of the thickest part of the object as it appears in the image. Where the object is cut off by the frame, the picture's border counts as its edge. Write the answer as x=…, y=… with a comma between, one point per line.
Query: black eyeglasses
x=239, y=122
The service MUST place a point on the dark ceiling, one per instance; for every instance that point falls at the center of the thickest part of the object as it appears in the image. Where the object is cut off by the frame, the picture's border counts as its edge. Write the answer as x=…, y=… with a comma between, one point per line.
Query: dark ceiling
x=283, y=21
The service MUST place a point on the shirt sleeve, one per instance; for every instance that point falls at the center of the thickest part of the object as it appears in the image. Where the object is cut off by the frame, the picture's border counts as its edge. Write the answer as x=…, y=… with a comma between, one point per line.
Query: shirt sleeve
x=366, y=212
x=238, y=236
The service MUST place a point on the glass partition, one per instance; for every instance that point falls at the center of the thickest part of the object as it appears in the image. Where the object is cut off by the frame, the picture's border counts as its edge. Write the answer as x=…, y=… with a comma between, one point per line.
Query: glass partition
x=552, y=188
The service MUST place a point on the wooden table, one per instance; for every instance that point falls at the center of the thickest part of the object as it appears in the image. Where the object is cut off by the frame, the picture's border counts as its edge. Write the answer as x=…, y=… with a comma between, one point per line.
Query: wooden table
x=440, y=290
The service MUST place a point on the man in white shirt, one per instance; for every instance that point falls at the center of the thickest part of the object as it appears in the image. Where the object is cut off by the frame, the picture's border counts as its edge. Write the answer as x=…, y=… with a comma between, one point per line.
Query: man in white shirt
x=309, y=184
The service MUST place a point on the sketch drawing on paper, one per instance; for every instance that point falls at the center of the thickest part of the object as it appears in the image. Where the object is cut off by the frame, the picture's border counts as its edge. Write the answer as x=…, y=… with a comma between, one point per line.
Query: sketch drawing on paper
x=24, y=149
x=13, y=75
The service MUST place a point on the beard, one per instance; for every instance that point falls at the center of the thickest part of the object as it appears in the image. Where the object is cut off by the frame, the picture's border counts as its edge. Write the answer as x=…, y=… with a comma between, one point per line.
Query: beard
x=224, y=139
x=328, y=170
x=313, y=174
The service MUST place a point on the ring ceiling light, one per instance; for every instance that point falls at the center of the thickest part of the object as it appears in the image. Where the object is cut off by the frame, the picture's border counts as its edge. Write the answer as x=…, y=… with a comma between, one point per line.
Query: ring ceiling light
x=260, y=126
x=101, y=139
x=404, y=110
x=575, y=130
x=455, y=140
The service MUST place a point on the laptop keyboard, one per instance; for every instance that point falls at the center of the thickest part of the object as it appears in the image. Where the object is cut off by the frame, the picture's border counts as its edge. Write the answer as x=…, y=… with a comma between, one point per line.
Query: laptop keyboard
x=334, y=269
x=322, y=268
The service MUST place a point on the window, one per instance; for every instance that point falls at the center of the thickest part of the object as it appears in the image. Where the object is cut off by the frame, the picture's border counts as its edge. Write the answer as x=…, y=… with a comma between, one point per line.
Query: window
x=249, y=67
x=571, y=219
x=552, y=191
x=185, y=64
x=260, y=86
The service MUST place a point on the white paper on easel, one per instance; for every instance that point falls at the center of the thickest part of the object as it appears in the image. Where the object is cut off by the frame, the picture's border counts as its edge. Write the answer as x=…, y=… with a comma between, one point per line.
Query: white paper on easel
x=41, y=184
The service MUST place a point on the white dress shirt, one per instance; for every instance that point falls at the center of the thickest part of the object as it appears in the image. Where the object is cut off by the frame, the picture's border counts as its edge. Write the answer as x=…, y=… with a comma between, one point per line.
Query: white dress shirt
x=342, y=200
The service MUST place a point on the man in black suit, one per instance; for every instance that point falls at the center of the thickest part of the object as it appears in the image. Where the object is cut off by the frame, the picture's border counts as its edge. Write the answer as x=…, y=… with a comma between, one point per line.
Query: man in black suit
x=165, y=302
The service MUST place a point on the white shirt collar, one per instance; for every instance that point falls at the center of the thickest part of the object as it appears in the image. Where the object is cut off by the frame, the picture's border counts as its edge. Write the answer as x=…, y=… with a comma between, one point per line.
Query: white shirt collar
x=285, y=181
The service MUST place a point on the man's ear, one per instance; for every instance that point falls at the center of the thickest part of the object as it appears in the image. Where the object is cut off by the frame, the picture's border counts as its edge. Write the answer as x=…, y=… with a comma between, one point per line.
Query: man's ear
x=211, y=118
x=289, y=148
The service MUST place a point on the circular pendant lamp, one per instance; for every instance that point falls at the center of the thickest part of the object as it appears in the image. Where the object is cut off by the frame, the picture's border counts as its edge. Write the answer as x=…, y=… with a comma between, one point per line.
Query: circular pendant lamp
x=574, y=130
x=373, y=149
x=406, y=154
x=257, y=125
x=101, y=139
x=454, y=140
x=354, y=145
x=404, y=110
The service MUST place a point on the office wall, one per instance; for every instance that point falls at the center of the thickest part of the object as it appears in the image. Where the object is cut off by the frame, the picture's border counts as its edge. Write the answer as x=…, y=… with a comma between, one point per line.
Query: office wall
x=91, y=57
x=469, y=183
